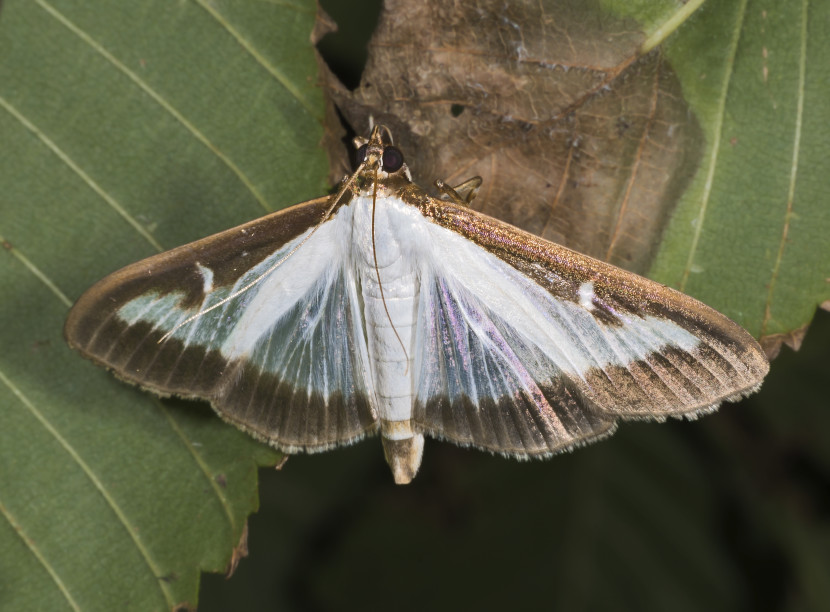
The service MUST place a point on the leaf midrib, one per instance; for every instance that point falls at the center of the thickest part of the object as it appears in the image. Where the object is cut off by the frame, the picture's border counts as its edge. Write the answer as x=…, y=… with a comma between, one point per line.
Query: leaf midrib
x=716, y=141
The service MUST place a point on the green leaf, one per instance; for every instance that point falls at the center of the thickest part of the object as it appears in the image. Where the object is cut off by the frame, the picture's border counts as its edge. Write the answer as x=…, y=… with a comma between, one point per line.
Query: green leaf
x=752, y=234
x=128, y=128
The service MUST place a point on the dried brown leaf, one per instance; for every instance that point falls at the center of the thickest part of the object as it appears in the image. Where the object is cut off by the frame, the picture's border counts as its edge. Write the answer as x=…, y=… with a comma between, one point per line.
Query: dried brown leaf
x=240, y=551
x=772, y=343
x=577, y=138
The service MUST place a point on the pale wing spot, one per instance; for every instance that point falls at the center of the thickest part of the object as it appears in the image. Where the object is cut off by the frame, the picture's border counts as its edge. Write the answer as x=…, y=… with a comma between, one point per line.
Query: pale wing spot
x=586, y=295
x=207, y=278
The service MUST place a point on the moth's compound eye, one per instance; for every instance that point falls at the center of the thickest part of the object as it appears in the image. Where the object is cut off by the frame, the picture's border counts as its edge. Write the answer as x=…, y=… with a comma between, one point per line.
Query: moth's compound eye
x=360, y=155
x=392, y=159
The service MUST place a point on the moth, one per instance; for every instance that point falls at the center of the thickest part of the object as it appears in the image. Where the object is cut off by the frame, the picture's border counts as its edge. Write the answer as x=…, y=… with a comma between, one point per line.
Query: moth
x=381, y=309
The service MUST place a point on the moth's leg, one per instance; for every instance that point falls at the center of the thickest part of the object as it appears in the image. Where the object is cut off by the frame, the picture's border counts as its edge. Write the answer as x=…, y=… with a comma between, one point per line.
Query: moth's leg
x=461, y=194
x=469, y=189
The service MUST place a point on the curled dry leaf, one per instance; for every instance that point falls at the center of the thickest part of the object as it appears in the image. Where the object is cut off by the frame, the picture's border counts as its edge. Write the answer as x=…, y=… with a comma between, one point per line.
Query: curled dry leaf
x=577, y=138
x=240, y=551
x=772, y=343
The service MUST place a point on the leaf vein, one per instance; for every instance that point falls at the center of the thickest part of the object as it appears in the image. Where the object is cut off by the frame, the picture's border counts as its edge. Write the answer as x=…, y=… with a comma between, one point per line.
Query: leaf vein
x=280, y=77
x=159, y=99
x=634, y=173
x=668, y=27
x=18, y=528
x=62, y=155
x=36, y=271
x=788, y=215
x=713, y=156
x=223, y=499
x=131, y=530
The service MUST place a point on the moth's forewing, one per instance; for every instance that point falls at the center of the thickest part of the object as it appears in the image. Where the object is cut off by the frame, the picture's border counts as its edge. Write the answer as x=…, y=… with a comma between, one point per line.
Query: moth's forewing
x=662, y=353
x=120, y=322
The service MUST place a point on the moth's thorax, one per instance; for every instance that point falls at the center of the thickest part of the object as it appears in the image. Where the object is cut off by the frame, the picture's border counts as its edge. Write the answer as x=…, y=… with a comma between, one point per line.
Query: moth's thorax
x=393, y=229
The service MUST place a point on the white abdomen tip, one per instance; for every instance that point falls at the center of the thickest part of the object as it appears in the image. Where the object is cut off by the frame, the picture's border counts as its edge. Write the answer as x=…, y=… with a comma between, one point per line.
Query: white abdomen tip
x=404, y=457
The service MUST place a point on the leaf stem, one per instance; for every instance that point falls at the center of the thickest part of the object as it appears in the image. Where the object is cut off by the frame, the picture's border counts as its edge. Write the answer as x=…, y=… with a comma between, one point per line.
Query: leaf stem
x=670, y=25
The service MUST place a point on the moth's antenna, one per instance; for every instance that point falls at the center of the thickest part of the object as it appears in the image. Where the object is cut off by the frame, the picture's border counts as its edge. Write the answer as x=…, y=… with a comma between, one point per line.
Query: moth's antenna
x=377, y=273
x=346, y=184
x=388, y=133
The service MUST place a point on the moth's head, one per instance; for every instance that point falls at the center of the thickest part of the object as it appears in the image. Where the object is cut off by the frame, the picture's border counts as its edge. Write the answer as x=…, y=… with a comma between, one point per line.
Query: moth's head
x=378, y=156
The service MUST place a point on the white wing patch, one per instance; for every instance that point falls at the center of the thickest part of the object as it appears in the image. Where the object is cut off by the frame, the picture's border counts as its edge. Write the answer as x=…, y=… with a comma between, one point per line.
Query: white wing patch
x=500, y=333
x=302, y=322
x=586, y=295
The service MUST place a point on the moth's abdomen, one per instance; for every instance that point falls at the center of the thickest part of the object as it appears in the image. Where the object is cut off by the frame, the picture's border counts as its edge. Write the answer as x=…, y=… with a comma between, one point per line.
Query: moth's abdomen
x=390, y=328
